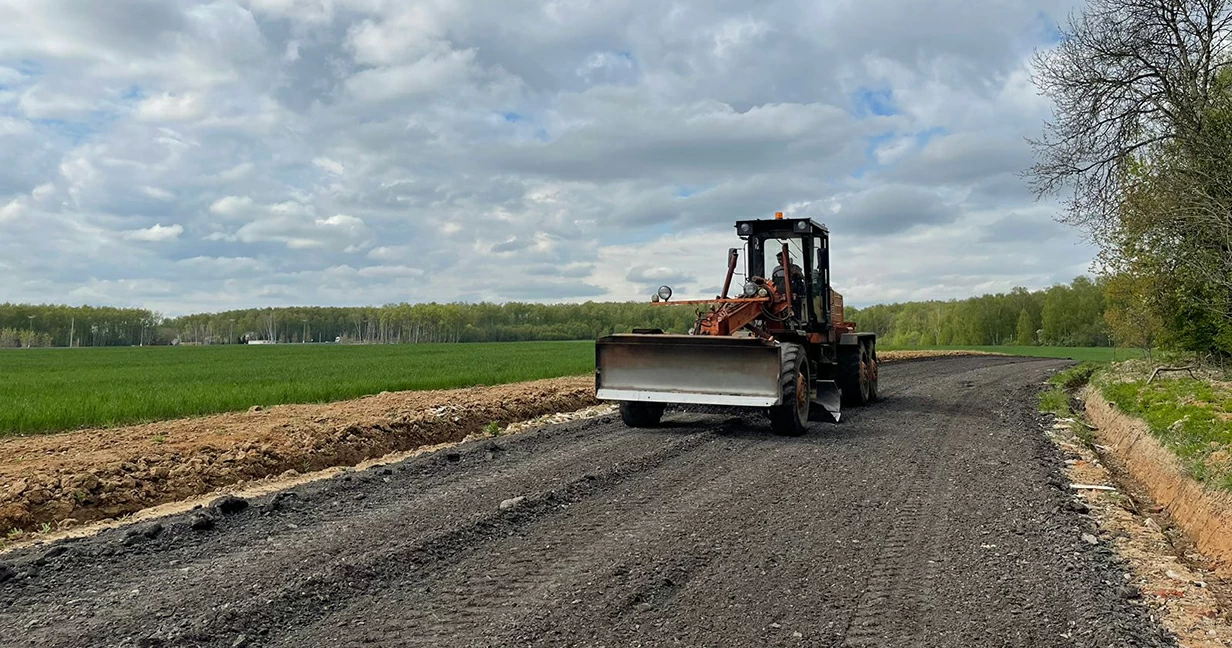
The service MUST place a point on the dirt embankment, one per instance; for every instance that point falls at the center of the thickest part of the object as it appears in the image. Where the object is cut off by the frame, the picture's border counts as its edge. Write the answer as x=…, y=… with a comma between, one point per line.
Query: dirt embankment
x=1203, y=513
x=89, y=475
x=64, y=479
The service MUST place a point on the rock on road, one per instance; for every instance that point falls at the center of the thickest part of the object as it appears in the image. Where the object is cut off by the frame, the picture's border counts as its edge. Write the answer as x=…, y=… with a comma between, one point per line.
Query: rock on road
x=935, y=517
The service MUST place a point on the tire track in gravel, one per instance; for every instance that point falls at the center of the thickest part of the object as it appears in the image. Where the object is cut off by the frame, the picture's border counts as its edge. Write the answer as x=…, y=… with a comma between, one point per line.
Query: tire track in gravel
x=932, y=518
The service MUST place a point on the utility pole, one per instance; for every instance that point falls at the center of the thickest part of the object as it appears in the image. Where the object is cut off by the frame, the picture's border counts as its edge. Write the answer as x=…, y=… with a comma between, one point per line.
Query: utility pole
x=71, y=327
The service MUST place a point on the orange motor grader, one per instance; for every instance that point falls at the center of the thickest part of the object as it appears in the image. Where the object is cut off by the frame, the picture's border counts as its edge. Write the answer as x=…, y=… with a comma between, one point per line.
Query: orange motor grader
x=780, y=345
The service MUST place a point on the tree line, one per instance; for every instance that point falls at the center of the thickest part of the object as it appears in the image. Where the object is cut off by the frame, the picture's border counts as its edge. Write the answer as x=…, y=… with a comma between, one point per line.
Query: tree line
x=26, y=325
x=430, y=322
x=1068, y=315
x=1141, y=148
x=44, y=325
x=1062, y=315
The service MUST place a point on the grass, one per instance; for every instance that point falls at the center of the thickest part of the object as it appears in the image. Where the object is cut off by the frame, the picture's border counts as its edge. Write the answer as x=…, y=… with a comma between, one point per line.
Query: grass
x=1091, y=354
x=1056, y=399
x=1191, y=418
x=45, y=390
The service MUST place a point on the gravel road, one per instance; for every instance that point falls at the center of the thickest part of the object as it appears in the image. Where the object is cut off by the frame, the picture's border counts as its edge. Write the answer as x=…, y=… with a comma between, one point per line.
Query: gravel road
x=936, y=517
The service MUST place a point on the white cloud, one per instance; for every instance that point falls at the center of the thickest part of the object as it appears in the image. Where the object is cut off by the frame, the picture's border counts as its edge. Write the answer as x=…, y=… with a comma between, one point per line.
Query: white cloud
x=237, y=172
x=156, y=233
x=329, y=165
x=11, y=211
x=169, y=107
x=430, y=74
x=503, y=150
x=157, y=194
x=390, y=271
x=231, y=205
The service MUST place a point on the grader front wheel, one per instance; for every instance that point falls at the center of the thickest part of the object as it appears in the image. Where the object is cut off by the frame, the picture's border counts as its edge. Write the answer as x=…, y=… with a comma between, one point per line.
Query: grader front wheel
x=791, y=417
x=641, y=415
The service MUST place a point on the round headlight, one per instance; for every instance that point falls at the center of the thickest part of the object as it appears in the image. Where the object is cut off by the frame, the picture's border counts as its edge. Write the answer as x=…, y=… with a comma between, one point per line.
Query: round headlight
x=665, y=293
x=654, y=298
x=745, y=228
x=750, y=289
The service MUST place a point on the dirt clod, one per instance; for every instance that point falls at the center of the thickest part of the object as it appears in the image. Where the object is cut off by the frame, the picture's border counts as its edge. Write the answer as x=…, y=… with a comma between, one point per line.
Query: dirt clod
x=202, y=522
x=229, y=504
x=1078, y=506
x=512, y=502
x=6, y=573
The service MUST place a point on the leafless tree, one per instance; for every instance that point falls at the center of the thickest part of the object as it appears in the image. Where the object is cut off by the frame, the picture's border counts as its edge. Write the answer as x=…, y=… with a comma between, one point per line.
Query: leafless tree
x=1127, y=78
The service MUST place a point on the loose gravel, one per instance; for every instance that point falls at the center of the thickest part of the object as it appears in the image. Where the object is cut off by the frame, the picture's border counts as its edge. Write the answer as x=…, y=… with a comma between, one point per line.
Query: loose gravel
x=938, y=517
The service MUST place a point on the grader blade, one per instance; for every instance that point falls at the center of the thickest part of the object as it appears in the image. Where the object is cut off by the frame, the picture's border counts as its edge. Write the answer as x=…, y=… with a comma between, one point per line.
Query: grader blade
x=692, y=369
x=830, y=399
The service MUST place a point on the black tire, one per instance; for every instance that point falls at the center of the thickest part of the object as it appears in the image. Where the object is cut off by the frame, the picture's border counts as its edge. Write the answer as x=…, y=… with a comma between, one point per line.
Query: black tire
x=791, y=417
x=870, y=366
x=641, y=415
x=852, y=377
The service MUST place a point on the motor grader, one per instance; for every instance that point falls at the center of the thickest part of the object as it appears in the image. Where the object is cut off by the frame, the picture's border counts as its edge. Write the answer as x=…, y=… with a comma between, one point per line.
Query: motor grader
x=781, y=345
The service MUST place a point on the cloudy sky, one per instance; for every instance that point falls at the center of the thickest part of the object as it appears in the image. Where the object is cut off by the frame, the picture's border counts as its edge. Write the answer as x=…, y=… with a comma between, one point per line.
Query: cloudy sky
x=192, y=156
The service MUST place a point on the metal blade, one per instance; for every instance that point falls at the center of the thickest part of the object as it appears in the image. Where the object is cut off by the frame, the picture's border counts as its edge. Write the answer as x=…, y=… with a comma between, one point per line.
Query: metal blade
x=695, y=369
x=830, y=399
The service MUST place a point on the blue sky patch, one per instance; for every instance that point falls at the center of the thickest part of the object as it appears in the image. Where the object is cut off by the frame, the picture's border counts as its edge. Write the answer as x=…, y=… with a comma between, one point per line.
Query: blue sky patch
x=30, y=67
x=925, y=136
x=77, y=131
x=870, y=153
x=1048, y=29
x=878, y=103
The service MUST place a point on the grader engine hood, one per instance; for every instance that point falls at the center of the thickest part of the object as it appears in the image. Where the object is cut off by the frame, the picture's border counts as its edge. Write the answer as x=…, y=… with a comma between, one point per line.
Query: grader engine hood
x=693, y=369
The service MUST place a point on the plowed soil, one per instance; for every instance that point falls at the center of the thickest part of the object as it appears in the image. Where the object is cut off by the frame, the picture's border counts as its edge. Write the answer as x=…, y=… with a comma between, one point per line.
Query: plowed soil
x=97, y=474
x=937, y=517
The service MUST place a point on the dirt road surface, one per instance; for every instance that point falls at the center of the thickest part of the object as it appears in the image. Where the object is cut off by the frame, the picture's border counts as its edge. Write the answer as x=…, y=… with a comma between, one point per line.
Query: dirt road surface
x=936, y=517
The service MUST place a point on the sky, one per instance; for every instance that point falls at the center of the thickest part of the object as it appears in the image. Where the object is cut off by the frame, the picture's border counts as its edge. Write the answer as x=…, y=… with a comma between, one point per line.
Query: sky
x=200, y=156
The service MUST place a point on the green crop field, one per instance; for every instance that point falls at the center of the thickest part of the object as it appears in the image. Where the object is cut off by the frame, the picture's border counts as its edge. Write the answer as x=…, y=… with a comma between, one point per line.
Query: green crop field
x=44, y=390
x=1096, y=354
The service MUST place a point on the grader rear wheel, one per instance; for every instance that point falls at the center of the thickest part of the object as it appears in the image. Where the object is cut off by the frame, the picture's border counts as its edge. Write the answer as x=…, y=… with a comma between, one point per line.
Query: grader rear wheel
x=857, y=374
x=869, y=364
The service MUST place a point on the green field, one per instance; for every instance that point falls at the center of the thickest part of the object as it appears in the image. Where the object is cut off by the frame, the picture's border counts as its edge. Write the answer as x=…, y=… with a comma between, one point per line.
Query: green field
x=43, y=390
x=1096, y=354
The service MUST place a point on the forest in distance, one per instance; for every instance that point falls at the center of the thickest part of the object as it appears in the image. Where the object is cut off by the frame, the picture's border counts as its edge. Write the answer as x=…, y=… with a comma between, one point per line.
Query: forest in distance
x=1062, y=315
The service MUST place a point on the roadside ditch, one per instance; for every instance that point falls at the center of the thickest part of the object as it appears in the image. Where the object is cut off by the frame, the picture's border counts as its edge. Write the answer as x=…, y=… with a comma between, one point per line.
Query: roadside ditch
x=1172, y=530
